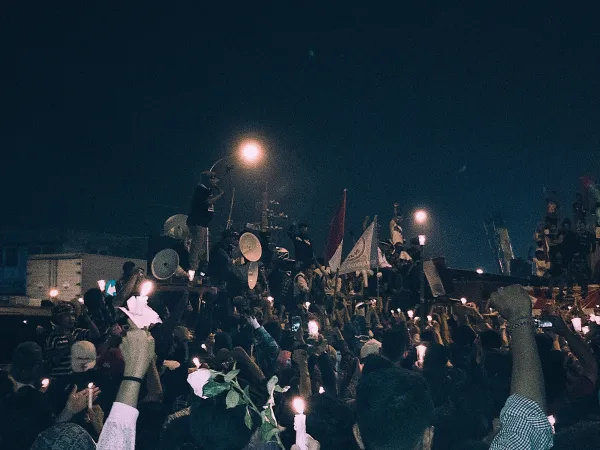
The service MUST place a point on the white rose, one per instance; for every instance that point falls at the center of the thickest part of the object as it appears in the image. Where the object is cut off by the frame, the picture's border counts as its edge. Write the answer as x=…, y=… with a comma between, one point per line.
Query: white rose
x=198, y=379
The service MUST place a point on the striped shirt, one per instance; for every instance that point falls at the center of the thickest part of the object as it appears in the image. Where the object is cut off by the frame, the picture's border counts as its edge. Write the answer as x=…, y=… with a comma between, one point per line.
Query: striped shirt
x=58, y=350
x=524, y=426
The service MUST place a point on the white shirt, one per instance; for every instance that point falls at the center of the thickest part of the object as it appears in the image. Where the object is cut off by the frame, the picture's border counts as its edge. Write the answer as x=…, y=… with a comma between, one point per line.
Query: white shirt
x=118, y=432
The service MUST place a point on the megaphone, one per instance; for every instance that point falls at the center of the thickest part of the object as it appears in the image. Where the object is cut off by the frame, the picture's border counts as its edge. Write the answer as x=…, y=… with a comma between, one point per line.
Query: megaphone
x=252, y=274
x=250, y=247
x=166, y=264
x=176, y=227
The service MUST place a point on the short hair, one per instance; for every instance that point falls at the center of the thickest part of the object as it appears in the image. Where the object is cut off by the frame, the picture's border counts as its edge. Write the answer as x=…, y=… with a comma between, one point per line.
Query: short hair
x=394, y=408
x=64, y=436
x=222, y=340
x=375, y=362
x=27, y=360
x=394, y=342
x=93, y=298
x=214, y=426
x=330, y=422
x=129, y=265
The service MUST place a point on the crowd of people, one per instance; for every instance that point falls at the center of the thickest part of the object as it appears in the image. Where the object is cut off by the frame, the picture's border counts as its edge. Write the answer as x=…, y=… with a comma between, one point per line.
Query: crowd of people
x=376, y=369
x=564, y=248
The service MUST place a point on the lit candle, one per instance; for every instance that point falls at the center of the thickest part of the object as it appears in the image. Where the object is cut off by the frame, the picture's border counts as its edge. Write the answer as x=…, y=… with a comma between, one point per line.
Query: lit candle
x=585, y=330
x=410, y=313
x=300, y=424
x=463, y=301
x=321, y=390
x=270, y=299
x=429, y=318
x=569, y=308
x=313, y=329
x=102, y=285
x=307, y=305
x=204, y=347
x=90, y=391
x=196, y=361
x=45, y=382
x=421, y=350
x=392, y=311
x=191, y=274
x=399, y=310
x=576, y=321
x=552, y=421
x=80, y=300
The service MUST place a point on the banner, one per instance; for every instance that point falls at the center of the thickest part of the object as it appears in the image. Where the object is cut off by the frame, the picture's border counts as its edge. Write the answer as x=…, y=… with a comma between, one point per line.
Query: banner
x=364, y=255
x=335, y=239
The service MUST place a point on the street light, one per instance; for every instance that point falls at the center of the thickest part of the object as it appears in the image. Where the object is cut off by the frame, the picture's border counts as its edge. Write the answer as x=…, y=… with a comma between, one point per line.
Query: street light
x=249, y=152
x=420, y=216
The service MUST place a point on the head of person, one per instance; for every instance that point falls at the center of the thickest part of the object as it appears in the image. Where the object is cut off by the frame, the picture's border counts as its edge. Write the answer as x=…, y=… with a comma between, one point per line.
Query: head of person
x=371, y=347
x=581, y=226
x=394, y=343
x=375, y=362
x=27, y=363
x=93, y=299
x=83, y=356
x=274, y=329
x=303, y=229
x=539, y=255
x=330, y=422
x=128, y=269
x=566, y=224
x=582, y=436
x=490, y=339
x=64, y=436
x=214, y=426
x=222, y=340
x=394, y=410
x=63, y=315
x=182, y=334
x=209, y=179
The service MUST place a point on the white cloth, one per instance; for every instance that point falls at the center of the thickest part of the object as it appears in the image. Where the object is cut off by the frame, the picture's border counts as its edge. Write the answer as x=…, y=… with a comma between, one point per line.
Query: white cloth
x=396, y=233
x=118, y=432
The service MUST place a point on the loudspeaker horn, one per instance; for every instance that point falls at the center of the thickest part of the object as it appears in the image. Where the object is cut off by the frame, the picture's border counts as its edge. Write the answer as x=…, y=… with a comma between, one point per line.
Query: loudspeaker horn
x=250, y=247
x=166, y=264
x=176, y=227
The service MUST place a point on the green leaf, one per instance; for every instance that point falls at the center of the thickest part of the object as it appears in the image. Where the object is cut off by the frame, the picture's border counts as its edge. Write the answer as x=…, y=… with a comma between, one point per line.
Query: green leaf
x=281, y=389
x=212, y=388
x=267, y=431
x=232, y=399
x=248, y=419
x=229, y=376
x=247, y=391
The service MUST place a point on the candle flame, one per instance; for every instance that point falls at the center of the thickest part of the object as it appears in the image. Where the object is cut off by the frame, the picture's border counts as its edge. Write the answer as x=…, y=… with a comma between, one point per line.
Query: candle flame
x=429, y=318
x=90, y=386
x=191, y=274
x=411, y=313
x=80, y=300
x=321, y=390
x=53, y=293
x=45, y=382
x=269, y=298
x=196, y=362
x=146, y=288
x=203, y=346
x=299, y=405
x=307, y=305
x=463, y=301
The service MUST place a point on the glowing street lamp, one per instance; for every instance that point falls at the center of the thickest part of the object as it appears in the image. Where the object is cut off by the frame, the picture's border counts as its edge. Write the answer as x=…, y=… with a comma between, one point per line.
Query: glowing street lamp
x=249, y=152
x=422, y=240
x=421, y=216
x=53, y=293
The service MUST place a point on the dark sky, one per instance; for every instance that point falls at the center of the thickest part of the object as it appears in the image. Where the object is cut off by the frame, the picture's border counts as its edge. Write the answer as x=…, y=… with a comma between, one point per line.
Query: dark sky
x=109, y=111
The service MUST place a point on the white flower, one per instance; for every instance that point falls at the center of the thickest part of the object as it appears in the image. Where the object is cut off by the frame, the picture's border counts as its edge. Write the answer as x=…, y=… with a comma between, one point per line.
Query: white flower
x=198, y=379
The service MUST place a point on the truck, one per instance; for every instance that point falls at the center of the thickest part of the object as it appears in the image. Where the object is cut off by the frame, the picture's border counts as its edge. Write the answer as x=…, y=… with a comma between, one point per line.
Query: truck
x=68, y=276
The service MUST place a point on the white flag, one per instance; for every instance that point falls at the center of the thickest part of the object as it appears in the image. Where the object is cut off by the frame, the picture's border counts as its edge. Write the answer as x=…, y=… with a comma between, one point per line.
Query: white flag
x=336, y=259
x=364, y=254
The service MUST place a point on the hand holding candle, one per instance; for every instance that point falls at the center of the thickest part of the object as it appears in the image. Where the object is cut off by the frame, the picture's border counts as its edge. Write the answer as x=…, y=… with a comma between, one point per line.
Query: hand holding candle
x=300, y=424
x=313, y=329
x=421, y=350
x=196, y=361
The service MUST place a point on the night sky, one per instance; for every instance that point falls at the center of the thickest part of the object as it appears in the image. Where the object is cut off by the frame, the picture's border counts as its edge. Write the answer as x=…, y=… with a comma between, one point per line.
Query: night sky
x=110, y=111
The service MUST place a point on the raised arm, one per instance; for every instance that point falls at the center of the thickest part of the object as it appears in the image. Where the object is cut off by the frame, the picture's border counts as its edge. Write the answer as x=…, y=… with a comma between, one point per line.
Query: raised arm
x=524, y=423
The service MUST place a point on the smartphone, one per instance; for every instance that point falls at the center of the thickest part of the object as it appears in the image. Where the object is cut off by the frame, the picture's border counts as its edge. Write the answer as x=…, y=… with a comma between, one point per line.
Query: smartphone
x=296, y=322
x=543, y=323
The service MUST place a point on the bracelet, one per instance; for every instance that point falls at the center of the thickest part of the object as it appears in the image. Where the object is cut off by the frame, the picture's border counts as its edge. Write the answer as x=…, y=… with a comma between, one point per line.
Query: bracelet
x=521, y=322
x=136, y=379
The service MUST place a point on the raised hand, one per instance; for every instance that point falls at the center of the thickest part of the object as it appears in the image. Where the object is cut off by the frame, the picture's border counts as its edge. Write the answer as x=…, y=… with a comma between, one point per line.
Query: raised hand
x=512, y=302
x=138, y=352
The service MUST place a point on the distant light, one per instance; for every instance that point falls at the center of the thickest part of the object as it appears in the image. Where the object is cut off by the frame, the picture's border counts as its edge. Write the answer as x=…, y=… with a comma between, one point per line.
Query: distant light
x=479, y=271
x=463, y=301
x=250, y=151
x=420, y=216
x=53, y=293
x=422, y=239
x=25, y=322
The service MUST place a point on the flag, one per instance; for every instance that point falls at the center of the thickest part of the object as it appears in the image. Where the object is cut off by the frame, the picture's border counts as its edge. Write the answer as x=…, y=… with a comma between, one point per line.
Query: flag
x=364, y=255
x=335, y=239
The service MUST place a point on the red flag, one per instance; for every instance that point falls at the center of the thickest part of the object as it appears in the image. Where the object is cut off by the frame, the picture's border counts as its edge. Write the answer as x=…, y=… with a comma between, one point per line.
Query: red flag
x=335, y=239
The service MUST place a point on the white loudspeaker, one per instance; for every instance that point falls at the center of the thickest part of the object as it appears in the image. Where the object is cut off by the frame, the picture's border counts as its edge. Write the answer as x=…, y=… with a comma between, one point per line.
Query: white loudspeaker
x=250, y=247
x=176, y=227
x=166, y=264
